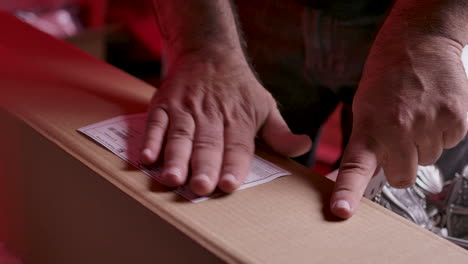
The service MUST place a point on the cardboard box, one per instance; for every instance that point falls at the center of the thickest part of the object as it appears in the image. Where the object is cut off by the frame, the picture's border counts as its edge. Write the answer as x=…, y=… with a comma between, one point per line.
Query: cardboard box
x=65, y=199
x=92, y=41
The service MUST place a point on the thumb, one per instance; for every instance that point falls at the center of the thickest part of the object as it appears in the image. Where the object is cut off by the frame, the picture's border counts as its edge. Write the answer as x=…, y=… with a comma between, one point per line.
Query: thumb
x=276, y=134
x=358, y=165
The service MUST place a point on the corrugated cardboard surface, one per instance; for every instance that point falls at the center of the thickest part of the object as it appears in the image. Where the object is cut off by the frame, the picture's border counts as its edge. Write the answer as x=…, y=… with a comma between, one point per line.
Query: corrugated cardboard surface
x=56, y=89
x=60, y=211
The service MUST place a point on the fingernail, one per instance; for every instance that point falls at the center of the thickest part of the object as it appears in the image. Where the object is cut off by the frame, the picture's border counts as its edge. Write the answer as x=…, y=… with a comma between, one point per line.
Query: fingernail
x=201, y=184
x=203, y=179
x=229, y=183
x=148, y=153
x=174, y=173
x=342, y=204
x=230, y=178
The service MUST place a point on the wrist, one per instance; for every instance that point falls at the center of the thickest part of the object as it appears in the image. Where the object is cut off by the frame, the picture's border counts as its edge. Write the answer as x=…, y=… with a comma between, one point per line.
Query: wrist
x=429, y=19
x=213, y=54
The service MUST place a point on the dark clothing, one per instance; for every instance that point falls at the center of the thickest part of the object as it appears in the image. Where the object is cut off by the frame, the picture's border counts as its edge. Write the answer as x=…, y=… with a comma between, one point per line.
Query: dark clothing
x=310, y=57
x=309, y=60
x=349, y=8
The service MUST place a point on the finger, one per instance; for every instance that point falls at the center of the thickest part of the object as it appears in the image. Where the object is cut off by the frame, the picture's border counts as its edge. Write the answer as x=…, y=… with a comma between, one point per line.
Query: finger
x=156, y=126
x=276, y=133
x=429, y=148
x=238, y=152
x=453, y=135
x=360, y=160
x=401, y=163
x=178, y=148
x=207, y=155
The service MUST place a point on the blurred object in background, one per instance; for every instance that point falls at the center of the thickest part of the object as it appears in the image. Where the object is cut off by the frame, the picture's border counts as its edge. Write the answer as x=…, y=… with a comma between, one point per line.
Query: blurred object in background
x=456, y=207
x=80, y=22
x=411, y=203
x=6, y=257
x=91, y=12
x=122, y=32
x=61, y=23
x=33, y=4
x=436, y=202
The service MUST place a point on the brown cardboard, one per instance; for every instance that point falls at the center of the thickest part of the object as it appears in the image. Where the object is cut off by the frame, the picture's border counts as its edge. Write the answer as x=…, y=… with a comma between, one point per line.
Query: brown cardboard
x=64, y=199
x=92, y=41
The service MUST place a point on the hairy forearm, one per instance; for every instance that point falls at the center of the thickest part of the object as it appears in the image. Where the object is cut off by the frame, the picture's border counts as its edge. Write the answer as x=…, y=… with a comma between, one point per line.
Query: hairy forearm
x=202, y=26
x=433, y=18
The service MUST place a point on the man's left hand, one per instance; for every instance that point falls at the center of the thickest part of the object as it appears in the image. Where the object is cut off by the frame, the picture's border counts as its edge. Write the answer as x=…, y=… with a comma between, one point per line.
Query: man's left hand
x=411, y=103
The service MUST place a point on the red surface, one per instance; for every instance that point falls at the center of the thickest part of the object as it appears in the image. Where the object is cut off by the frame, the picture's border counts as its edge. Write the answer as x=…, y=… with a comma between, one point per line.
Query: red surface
x=329, y=149
x=94, y=13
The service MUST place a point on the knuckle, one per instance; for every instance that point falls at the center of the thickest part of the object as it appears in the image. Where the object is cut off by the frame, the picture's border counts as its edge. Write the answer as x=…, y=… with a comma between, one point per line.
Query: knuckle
x=451, y=141
x=356, y=168
x=426, y=159
x=239, y=116
x=434, y=156
x=453, y=113
x=456, y=135
x=207, y=142
x=190, y=104
x=180, y=132
x=402, y=183
x=210, y=108
x=401, y=121
x=179, y=114
x=429, y=152
x=158, y=103
x=160, y=99
x=155, y=123
x=341, y=188
x=176, y=108
x=239, y=146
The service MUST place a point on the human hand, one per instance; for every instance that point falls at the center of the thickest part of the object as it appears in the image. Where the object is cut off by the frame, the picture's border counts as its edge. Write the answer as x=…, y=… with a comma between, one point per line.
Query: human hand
x=204, y=118
x=410, y=105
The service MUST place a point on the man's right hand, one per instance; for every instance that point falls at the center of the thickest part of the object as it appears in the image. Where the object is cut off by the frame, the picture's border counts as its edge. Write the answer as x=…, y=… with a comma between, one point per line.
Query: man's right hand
x=204, y=118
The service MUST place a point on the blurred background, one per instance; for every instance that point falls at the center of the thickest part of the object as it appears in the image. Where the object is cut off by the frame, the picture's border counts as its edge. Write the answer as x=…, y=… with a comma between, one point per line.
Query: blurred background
x=121, y=32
